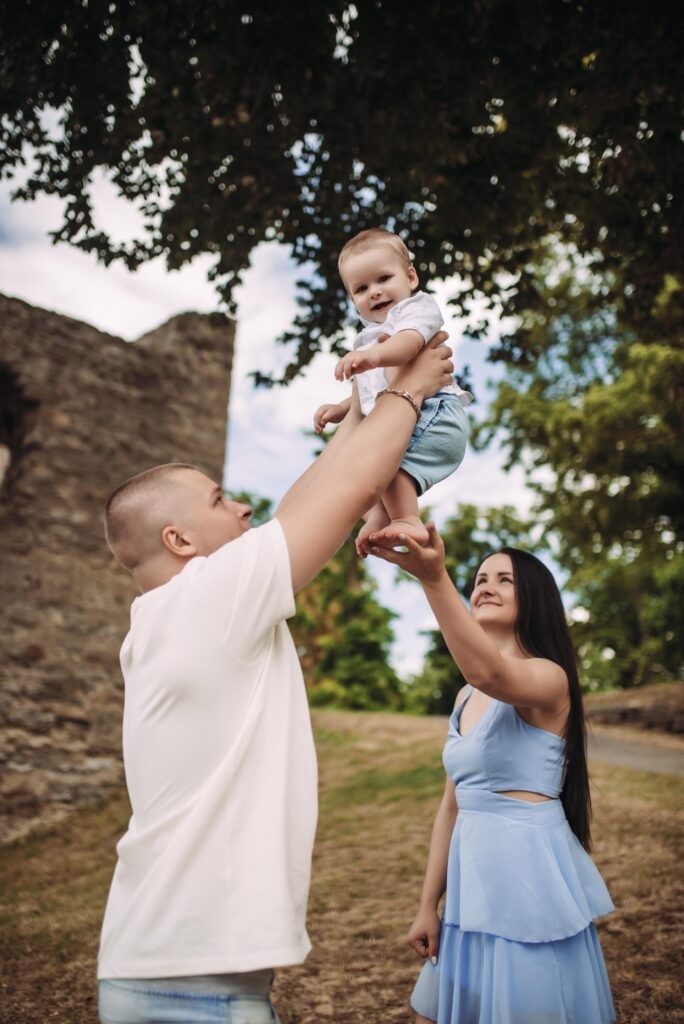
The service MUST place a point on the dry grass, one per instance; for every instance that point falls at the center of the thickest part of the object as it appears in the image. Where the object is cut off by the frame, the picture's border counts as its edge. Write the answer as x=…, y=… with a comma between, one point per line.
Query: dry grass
x=380, y=783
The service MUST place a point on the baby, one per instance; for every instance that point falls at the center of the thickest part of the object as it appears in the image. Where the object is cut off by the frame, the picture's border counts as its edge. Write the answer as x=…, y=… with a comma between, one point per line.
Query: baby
x=375, y=267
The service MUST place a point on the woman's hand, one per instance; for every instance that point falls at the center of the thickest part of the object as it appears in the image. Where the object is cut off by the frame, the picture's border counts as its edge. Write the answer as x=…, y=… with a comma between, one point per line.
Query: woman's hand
x=425, y=563
x=423, y=934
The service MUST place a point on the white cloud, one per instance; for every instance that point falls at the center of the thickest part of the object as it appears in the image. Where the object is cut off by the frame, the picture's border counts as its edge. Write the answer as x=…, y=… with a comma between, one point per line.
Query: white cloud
x=72, y=282
x=113, y=300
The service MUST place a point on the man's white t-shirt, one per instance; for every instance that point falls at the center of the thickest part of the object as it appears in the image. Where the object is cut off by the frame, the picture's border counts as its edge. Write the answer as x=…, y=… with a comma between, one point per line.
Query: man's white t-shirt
x=213, y=872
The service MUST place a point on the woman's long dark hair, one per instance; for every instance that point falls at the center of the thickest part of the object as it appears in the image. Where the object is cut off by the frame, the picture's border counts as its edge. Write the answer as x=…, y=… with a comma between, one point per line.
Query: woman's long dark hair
x=542, y=631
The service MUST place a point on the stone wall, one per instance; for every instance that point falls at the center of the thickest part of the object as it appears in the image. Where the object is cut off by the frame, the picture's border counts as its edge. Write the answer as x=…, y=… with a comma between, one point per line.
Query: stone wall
x=80, y=411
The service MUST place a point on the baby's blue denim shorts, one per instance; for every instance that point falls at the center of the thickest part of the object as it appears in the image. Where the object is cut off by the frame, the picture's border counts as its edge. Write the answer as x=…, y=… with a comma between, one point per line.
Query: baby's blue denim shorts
x=438, y=441
x=167, y=1001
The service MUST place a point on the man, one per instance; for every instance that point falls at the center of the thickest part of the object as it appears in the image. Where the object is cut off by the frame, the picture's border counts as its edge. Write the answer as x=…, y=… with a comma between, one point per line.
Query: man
x=210, y=889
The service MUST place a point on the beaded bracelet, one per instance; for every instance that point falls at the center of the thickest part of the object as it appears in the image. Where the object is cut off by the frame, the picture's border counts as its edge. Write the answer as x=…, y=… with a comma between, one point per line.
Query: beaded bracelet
x=402, y=394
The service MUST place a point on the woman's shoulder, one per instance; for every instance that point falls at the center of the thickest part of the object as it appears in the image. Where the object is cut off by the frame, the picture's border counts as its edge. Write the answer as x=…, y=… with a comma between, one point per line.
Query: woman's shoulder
x=549, y=693
x=533, y=682
x=538, y=667
x=549, y=670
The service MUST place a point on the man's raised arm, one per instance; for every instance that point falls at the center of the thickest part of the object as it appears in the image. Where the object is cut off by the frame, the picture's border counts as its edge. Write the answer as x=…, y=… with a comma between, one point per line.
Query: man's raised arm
x=336, y=443
x=318, y=520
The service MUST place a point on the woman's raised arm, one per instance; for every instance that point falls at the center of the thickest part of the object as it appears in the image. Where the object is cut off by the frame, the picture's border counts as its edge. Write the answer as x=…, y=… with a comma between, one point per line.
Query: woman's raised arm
x=525, y=682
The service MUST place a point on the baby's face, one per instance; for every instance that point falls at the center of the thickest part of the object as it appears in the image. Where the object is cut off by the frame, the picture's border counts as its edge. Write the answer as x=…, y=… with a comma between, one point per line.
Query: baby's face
x=377, y=279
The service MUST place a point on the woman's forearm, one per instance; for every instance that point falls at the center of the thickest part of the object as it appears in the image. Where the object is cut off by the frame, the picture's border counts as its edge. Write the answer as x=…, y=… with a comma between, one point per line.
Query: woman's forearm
x=514, y=677
x=475, y=654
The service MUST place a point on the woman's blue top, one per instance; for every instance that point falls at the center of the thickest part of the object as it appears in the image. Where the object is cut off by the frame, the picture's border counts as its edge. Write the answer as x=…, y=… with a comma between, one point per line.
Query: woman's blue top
x=503, y=752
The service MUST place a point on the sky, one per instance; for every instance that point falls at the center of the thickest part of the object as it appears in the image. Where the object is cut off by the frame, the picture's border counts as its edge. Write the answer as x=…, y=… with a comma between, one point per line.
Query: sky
x=267, y=448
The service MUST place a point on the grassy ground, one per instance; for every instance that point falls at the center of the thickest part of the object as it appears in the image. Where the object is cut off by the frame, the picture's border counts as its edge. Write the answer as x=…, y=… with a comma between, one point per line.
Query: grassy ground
x=380, y=783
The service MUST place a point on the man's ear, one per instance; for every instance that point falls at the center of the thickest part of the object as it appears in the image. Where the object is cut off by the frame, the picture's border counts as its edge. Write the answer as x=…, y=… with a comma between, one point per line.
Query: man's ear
x=178, y=543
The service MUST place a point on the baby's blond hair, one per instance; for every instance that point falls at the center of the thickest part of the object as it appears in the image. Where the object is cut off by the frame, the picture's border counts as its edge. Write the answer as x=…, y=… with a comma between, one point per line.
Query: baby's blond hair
x=369, y=239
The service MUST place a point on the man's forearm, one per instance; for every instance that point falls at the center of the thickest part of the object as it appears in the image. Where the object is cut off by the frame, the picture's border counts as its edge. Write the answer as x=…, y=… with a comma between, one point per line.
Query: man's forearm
x=328, y=455
x=337, y=491
x=369, y=455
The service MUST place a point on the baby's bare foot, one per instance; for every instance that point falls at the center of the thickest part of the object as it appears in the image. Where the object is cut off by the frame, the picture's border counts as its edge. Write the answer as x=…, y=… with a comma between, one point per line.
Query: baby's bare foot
x=389, y=536
x=376, y=521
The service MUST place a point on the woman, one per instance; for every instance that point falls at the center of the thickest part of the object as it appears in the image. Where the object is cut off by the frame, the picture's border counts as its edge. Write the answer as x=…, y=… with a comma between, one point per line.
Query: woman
x=517, y=943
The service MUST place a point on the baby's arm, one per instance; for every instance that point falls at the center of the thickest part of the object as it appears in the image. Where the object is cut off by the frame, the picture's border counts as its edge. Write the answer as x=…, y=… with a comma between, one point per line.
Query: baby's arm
x=398, y=349
x=331, y=414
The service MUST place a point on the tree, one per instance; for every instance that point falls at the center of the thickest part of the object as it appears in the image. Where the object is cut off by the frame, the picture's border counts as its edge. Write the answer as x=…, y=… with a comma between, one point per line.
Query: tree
x=477, y=131
x=342, y=633
x=596, y=419
x=469, y=536
x=630, y=627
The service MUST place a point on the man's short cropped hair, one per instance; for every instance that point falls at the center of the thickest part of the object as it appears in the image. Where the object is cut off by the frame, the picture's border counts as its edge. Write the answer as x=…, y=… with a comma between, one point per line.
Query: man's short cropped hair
x=370, y=239
x=127, y=511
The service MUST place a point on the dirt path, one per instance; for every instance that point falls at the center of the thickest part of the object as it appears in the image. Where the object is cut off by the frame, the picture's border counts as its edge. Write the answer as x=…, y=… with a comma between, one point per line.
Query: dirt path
x=634, y=752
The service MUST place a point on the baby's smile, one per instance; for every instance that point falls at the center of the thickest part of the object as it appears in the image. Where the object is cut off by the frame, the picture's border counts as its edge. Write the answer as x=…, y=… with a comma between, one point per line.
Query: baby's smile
x=377, y=279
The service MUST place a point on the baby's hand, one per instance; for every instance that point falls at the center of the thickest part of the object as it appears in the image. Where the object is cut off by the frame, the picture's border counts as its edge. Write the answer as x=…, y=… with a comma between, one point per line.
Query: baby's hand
x=357, y=362
x=345, y=367
x=328, y=414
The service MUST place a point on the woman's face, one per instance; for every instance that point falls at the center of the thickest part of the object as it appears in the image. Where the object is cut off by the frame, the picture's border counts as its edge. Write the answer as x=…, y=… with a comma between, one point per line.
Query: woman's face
x=493, y=602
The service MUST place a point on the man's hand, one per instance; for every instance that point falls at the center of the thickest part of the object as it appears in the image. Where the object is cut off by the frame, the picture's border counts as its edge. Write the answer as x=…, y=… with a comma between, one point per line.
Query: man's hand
x=325, y=414
x=357, y=362
x=429, y=372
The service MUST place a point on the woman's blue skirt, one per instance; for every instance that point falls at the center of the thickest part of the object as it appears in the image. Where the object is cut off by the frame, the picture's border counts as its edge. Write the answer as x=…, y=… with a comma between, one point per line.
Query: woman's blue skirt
x=517, y=944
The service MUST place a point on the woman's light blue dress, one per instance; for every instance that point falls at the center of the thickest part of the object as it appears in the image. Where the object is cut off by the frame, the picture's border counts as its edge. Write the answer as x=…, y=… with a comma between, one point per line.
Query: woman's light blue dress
x=517, y=944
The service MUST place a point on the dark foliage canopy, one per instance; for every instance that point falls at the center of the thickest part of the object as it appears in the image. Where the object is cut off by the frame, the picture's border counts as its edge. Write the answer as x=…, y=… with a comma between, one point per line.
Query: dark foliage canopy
x=477, y=130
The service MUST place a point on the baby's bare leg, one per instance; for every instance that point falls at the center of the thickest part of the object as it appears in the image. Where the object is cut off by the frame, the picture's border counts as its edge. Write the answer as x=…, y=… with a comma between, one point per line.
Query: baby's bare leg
x=401, y=502
x=375, y=519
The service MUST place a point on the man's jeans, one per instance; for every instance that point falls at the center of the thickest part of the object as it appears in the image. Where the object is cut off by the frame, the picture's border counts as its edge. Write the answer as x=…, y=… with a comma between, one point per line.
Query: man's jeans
x=160, y=1001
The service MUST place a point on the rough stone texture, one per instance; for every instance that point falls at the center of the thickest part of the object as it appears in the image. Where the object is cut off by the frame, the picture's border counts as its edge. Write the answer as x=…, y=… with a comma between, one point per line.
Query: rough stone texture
x=80, y=411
